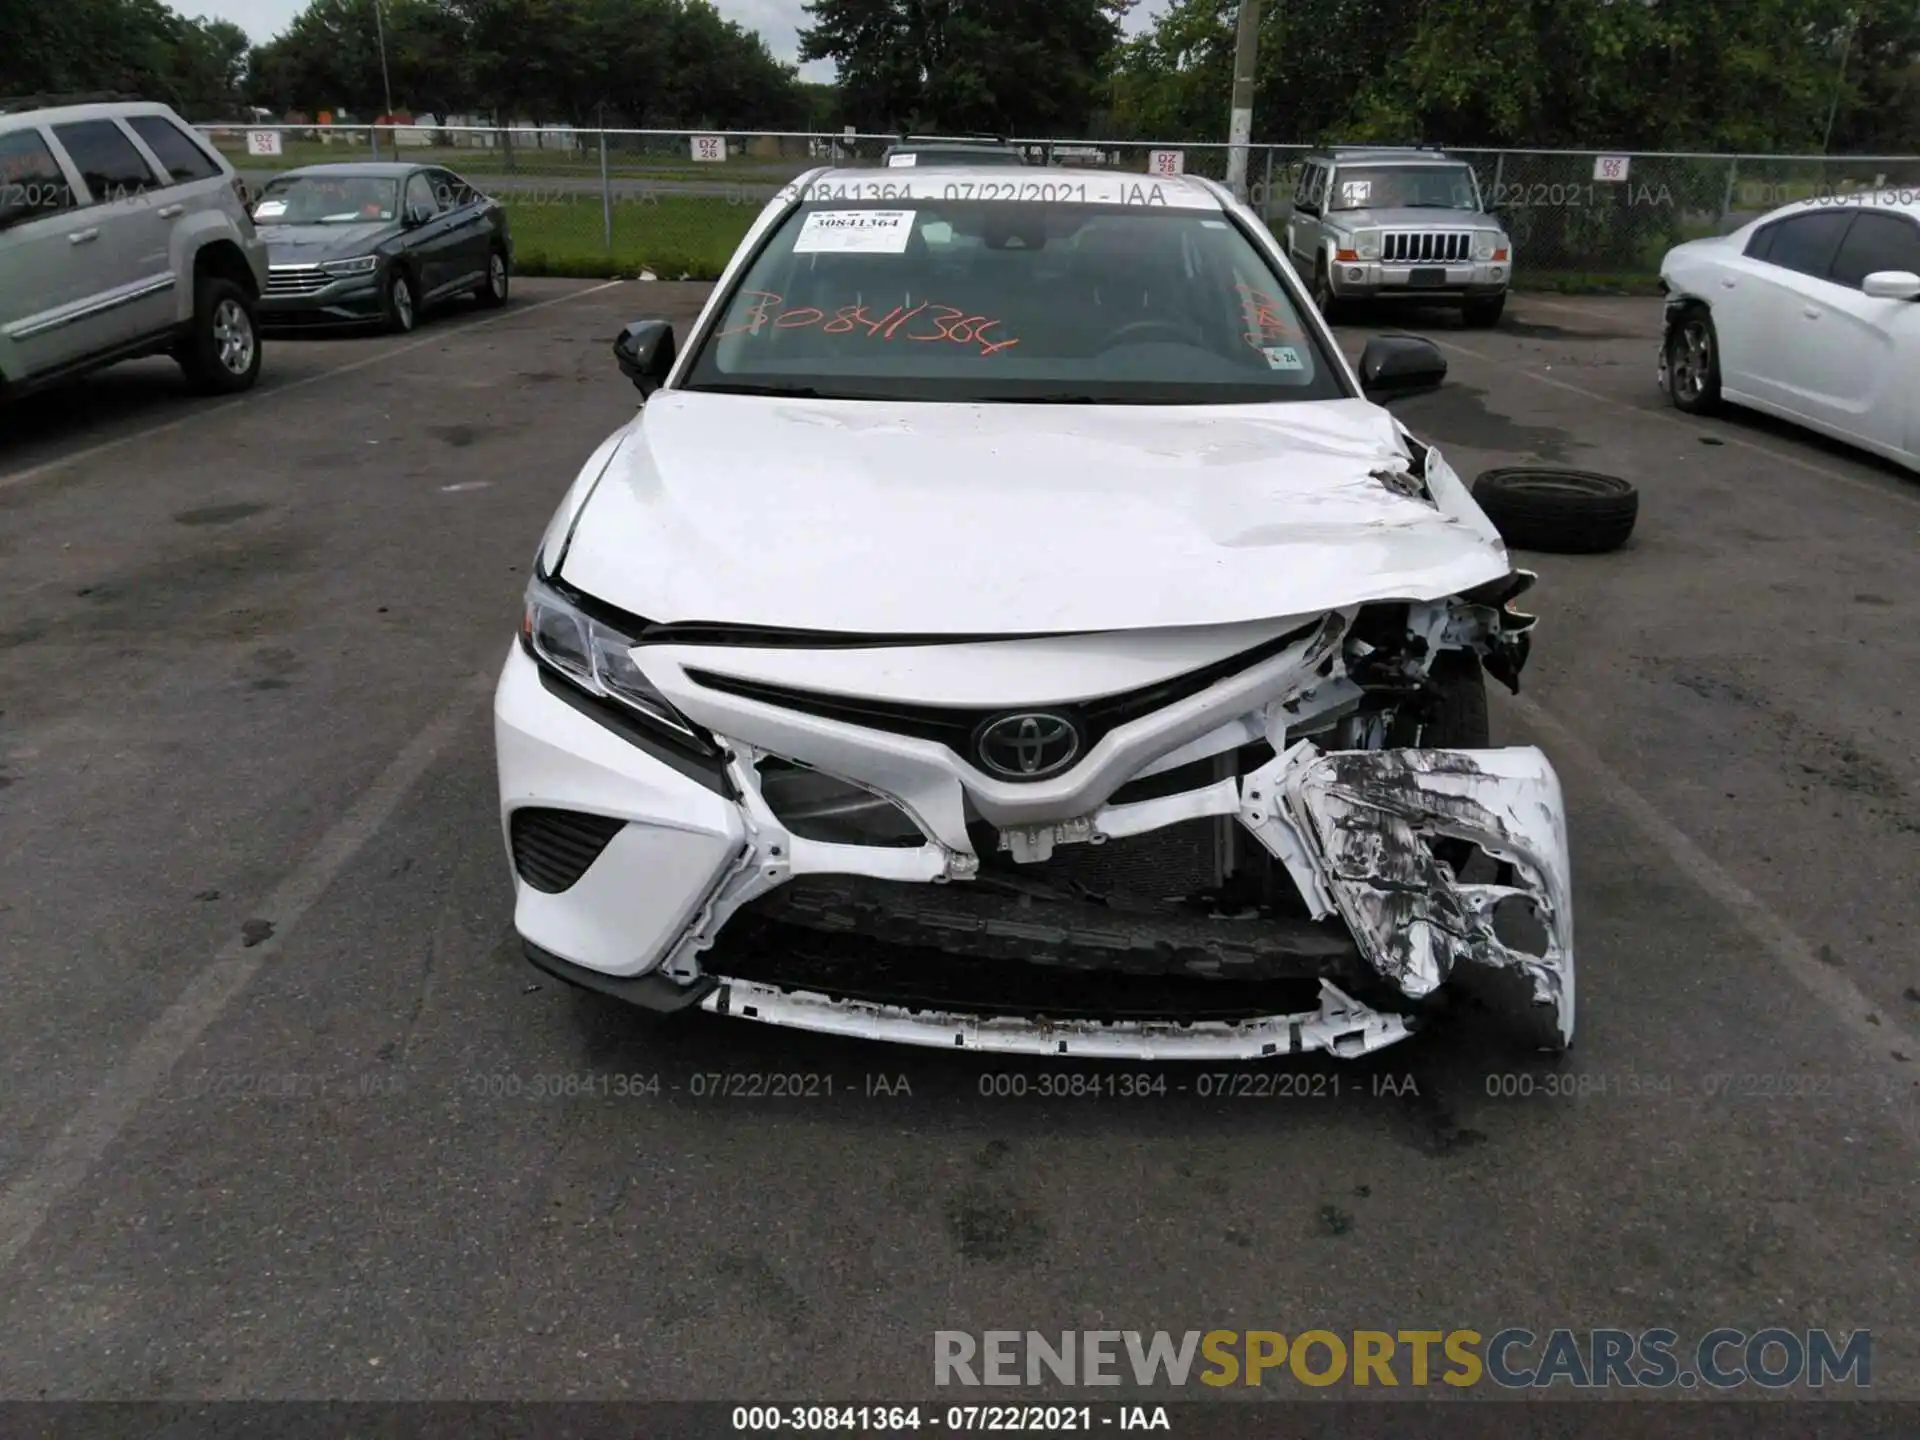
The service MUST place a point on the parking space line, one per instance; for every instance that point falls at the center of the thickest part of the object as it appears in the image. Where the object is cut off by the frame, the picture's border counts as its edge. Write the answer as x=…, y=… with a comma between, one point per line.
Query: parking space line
x=1883, y=489
x=255, y=397
x=1850, y=1006
x=71, y=1155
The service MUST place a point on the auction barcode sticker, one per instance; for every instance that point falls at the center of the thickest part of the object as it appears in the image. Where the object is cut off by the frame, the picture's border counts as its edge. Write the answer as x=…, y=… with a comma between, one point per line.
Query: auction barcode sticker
x=855, y=232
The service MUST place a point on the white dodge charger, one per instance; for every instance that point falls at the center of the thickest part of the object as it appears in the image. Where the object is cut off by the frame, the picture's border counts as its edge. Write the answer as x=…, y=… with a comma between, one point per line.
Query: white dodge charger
x=1809, y=314
x=1009, y=623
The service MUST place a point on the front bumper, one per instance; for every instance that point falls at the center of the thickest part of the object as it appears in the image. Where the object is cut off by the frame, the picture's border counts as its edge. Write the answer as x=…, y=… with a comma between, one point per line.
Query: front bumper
x=352, y=300
x=1373, y=279
x=690, y=899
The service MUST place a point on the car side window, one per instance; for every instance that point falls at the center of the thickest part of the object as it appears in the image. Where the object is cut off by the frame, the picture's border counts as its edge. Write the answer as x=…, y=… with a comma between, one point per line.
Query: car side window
x=183, y=156
x=108, y=164
x=450, y=190
x=1760, y=242
x=1316, y=187
x=1303, y=190
x=1807, y=243
x=1876, y=242
x=31, y=181
x=420, y=199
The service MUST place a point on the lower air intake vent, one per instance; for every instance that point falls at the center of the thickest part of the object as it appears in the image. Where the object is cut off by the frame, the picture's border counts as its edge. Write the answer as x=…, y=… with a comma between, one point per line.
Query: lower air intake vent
x=553, y=848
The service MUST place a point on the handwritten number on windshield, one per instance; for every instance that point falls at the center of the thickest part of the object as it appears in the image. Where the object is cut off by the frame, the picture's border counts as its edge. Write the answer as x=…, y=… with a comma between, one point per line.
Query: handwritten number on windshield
x=1267, y=318
x=948, y=323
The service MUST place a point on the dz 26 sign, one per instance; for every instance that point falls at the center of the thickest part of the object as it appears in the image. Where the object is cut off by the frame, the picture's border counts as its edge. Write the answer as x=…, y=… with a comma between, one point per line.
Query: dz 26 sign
x=710, y=147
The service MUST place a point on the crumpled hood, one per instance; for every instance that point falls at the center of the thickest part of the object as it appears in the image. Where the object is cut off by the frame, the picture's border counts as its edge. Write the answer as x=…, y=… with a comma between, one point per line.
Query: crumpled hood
x=1006, y=519
x=310, y=244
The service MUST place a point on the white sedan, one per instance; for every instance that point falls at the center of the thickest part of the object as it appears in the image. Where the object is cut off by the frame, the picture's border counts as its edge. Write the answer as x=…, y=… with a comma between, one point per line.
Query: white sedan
x=1807, y=314
x=1010, y=623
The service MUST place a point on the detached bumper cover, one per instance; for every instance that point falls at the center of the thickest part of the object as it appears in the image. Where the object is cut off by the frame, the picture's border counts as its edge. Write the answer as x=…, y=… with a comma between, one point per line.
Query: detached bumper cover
x=1361, y=834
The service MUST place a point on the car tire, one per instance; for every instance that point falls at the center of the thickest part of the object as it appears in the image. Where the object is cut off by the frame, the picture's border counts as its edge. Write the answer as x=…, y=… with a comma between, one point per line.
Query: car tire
x=1483, y=312
x=493, y=291
x=399, y=302
x=1693, y=362
x=1324, y=300
x=1558, y=512
x=221, y=352
x=1458, y=720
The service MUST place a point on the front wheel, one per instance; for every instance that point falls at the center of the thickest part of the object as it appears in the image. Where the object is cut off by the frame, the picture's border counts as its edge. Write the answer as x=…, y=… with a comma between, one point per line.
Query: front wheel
x=1693, y=364
x=493, y=290
x=399, y=302
x=221, y=352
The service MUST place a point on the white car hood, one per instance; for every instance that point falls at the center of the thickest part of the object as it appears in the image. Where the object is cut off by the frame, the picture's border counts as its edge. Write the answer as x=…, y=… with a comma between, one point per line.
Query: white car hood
x=885, y=518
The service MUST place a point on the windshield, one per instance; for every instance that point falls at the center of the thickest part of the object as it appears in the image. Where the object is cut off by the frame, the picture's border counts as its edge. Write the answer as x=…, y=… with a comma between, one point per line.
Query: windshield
x=1395, y=187
x=327, y=200
x=958, y=300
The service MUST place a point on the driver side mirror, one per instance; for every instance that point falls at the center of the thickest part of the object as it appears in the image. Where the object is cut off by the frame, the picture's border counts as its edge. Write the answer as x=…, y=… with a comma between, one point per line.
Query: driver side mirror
x=645, y=353
x=415, y=216
x=1395, y=366
x=1891, y=285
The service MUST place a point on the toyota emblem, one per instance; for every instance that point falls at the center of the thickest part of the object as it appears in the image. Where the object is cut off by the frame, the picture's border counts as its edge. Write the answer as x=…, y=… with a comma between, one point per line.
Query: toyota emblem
x=1028, y=746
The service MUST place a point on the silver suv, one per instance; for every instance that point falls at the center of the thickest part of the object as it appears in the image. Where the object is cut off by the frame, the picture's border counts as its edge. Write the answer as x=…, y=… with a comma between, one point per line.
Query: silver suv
x=1398, y=223
x=122, y=233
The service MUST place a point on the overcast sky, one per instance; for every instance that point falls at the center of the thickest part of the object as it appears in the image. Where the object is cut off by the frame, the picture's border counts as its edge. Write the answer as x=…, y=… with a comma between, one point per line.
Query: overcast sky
x=777, y=20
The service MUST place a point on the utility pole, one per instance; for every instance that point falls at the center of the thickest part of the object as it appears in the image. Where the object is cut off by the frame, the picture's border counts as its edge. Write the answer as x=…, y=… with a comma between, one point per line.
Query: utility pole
x=1839, y=81
x=386, y=85
x=1246, y=52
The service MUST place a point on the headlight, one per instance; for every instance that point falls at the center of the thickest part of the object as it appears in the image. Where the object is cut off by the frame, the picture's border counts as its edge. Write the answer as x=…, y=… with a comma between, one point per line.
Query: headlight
x=1356, y=245
x=1489, y=245
x=594, y=656
x=359, y=265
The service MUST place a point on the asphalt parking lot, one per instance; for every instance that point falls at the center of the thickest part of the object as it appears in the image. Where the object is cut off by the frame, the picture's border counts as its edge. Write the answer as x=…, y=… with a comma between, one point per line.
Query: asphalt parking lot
x=248, y=844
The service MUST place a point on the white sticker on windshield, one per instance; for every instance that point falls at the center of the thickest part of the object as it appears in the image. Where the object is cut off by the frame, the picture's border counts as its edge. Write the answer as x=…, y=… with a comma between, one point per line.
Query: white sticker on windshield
x=1282, y=357
x=894, y=162
x=855, y=232
x=267, y=209
x=1355, y=192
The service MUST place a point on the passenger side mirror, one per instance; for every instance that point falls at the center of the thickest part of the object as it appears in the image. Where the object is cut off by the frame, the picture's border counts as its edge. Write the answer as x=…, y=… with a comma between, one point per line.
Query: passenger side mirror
x=645, y=352
x=1394, y=366
x=1891, y=285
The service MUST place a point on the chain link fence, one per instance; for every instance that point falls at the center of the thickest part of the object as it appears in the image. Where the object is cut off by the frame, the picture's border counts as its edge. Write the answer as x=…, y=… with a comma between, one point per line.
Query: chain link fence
x=673, y=203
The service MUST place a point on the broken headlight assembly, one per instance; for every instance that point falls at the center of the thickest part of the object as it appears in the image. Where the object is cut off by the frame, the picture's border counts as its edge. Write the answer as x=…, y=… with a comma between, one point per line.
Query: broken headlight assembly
x=595, y=657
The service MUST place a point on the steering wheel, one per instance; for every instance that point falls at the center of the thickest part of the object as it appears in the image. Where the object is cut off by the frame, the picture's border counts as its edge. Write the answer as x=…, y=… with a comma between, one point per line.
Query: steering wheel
x=1132, y=332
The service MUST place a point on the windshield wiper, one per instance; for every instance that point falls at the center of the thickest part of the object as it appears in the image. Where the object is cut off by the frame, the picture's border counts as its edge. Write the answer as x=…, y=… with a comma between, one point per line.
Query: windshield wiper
x=791, y=392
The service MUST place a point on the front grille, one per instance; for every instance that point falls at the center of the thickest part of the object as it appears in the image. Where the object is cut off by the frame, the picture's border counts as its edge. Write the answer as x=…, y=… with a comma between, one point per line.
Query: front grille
x=1166, y=864
x=301, y=280
x=553, y=848
x=1426, y=246
x=955, y=727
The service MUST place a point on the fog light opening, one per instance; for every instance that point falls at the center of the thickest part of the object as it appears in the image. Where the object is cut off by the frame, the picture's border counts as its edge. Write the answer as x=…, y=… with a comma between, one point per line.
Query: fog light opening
x=1518, y=925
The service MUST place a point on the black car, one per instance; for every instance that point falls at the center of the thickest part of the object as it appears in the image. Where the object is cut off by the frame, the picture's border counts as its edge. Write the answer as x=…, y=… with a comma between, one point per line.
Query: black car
x=377, y=244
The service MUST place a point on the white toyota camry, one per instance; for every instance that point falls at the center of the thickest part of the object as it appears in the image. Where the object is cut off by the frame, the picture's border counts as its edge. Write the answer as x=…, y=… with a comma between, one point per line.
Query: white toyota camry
x=1010, y=623
x=1807, y=314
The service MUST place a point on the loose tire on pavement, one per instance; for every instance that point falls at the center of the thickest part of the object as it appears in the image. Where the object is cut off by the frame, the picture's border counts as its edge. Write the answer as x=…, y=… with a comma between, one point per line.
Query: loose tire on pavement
x=1560, y=512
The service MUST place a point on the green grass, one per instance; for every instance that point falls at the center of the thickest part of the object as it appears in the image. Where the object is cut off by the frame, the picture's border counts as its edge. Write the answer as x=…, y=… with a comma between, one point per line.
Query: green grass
x=674, y=236
x=531, y=163
x=695, y=235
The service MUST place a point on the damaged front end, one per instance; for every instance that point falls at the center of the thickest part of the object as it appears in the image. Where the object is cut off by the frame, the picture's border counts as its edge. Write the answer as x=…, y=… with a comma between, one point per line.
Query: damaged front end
x=1309, y=850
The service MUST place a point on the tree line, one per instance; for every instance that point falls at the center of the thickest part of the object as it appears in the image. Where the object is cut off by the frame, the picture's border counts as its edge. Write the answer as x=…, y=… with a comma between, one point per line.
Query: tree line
x=1756, y=75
